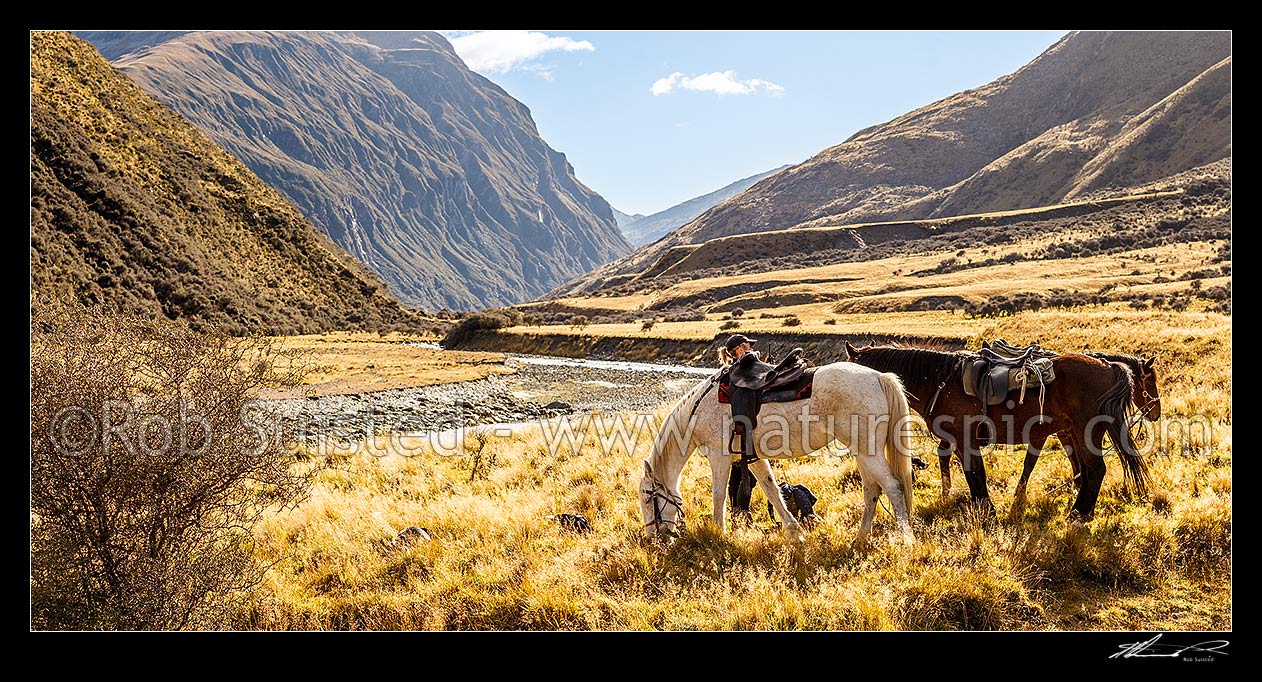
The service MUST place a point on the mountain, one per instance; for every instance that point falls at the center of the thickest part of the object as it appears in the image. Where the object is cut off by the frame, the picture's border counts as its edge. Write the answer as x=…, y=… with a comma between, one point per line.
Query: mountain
x=427, y=172
x=651, y=228
x=624, y=219
x=1096, y=111
x=133, y=206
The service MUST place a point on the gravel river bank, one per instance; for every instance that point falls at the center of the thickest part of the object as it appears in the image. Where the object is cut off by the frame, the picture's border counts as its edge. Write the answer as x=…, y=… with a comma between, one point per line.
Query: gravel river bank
x=540, y=388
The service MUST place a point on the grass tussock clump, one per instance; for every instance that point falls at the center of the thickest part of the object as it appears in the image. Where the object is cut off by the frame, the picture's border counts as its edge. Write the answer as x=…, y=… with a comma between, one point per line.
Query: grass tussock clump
x=497, y=562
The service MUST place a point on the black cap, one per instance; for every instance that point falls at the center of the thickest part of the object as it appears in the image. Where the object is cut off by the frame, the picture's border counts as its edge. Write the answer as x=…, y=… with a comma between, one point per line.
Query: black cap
x=737, y=339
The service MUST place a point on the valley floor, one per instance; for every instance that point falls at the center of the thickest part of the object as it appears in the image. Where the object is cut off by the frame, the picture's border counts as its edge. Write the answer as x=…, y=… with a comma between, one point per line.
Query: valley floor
x=496, y=559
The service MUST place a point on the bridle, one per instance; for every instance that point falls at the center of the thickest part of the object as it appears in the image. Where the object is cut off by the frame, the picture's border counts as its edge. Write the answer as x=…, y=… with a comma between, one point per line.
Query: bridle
x=661, y=497
x=1149, y=398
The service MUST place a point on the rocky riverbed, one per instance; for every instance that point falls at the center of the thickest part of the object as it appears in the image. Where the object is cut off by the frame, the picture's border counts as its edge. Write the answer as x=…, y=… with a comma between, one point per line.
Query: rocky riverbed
x=535, y=391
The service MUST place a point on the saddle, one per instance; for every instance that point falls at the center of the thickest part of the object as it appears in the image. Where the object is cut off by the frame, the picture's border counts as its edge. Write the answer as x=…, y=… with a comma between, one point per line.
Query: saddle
x=999, y=368
x=749, y=383
x=752, y=373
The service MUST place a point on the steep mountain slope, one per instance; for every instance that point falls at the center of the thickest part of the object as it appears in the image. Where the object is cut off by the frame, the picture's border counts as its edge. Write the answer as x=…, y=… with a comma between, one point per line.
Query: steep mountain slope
x=651, y=228
x=1096, y=110
x=624, y=219
x=131, y=205
x=427, y=172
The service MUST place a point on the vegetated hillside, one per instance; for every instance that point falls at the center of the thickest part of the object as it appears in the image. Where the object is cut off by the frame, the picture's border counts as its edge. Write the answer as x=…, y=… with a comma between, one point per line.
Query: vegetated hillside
x=653, y=227
x=1097, y=110
x=133, y=206
x=1166, y=245
x=427, y=172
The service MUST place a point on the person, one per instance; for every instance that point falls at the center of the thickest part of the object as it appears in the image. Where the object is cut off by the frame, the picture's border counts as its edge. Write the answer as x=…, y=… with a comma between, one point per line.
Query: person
x=737, y=346
x=740, y=484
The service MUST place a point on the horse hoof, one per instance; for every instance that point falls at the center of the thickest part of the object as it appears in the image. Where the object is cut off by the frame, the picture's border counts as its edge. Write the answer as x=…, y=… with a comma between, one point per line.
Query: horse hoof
x=1078, y=520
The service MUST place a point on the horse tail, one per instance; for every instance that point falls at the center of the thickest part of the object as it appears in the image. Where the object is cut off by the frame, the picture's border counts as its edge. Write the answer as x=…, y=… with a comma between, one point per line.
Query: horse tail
x=1115, y=403
x=898, y=436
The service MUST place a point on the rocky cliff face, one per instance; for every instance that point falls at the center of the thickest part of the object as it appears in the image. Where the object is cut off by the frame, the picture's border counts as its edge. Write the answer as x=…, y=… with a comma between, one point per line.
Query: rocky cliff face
x=431, y=175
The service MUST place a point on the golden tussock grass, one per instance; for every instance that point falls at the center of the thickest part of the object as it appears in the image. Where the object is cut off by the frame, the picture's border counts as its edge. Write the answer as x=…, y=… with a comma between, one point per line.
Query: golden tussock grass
x=357, y=362
x=496, y=563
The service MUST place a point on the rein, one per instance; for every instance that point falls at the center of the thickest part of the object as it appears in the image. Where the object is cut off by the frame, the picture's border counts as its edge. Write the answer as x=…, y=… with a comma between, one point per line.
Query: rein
x=714, y=379
x=933, y=399
x=658, y=495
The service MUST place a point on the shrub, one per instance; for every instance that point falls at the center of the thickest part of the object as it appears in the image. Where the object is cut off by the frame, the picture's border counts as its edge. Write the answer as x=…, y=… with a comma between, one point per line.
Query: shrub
x=469, y=326
x=647, y=326
x=730, y=324
x=792, y=321
x=148, y=470
x=577, y=321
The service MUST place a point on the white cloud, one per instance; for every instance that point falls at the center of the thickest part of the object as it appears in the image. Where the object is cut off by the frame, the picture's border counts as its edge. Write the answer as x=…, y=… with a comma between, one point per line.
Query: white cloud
x=503, y=51
x=718, y=82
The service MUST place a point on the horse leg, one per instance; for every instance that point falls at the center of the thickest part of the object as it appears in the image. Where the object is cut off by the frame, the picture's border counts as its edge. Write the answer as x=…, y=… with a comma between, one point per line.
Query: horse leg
x=761, y=470
x=975, y=475
x=1091, y=477
x=1032, y=452
x=720, y=470
x=944, y=464
x=875, y=469
x=1075, y=464
x=871, y=495
x=1031, y=458
x=898, y=502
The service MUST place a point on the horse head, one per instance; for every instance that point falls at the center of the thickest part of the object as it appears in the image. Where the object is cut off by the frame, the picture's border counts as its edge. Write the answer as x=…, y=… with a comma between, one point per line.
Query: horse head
x=662, y=510
x=1146, y=395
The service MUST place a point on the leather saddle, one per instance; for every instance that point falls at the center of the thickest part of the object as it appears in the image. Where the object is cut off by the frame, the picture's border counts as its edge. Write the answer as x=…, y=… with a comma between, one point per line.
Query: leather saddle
x=999, y=368
x=752, y=373
x=750, y=382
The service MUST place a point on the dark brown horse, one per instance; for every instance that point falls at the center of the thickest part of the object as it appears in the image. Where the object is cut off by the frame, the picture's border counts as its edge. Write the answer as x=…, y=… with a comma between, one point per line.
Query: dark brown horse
x=1144, y=397
x=1088, y=399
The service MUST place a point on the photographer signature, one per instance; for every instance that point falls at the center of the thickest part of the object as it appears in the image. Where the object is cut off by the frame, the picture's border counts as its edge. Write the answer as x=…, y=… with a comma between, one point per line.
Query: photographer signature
x=1151, y=649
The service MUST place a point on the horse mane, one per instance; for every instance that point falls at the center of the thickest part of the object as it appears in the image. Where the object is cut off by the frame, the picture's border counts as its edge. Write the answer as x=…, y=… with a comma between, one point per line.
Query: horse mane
x=910, y=360
x=674, y=423
x=1129, y=360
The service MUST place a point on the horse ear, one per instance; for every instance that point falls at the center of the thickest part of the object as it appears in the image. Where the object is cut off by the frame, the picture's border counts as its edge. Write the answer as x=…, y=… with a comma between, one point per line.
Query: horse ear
x=1149, y=362
x=648, y=470
x=850, y=350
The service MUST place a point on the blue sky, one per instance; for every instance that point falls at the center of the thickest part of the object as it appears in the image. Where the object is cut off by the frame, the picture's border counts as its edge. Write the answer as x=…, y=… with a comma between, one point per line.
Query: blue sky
x=652, y=118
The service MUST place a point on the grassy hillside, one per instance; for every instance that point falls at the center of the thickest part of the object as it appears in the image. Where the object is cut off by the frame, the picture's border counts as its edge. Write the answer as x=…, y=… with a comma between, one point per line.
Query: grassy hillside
x=1097, y=111
x=131, y=205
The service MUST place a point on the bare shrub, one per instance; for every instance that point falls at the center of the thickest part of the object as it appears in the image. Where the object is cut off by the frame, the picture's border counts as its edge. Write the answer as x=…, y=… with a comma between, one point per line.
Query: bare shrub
x=148, y=469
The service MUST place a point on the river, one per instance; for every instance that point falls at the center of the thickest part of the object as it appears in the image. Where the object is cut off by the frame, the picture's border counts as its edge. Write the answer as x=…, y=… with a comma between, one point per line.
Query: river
x=541, y=388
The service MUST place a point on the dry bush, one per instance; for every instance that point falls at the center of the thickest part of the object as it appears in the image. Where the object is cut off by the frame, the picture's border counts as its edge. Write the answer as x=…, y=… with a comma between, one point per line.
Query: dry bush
x=148, y=469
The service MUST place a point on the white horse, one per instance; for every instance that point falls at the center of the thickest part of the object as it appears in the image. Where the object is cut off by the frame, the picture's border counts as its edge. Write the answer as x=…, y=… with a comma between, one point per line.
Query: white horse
x=862, y=408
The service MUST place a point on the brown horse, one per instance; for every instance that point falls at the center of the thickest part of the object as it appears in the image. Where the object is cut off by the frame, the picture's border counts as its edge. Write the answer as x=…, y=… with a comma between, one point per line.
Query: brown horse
x=1144, y=396
x=1088, y=399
